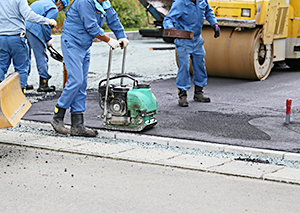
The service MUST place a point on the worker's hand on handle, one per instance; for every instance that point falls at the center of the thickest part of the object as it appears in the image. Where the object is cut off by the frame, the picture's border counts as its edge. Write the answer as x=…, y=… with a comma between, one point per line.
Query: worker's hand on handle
x=217, y=30
x=52, y=23
x=113, y=43
x=49, y=43
x=124, y=42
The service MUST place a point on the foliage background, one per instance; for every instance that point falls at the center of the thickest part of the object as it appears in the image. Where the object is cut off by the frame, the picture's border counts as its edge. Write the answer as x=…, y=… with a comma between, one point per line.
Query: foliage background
x=131, y=13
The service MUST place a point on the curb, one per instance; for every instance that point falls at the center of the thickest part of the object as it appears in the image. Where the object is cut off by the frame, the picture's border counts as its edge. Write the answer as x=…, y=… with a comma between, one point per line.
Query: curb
x=123, y=152
x=205, y=146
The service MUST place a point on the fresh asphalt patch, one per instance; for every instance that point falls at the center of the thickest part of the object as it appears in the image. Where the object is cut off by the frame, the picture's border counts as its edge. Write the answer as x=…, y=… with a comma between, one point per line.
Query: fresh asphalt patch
x=216, y=124
x=237, y=115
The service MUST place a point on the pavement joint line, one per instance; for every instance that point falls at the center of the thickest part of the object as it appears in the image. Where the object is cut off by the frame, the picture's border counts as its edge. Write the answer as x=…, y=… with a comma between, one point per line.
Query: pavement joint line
x=204, y=146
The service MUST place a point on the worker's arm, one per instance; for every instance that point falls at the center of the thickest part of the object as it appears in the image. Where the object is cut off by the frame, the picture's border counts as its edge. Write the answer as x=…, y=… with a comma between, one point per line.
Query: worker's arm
x=209, y=14
x=87, y=15
x=31, y=16
x=173, y=15
x=113, y=22
x=210, y=17
x=52, y=13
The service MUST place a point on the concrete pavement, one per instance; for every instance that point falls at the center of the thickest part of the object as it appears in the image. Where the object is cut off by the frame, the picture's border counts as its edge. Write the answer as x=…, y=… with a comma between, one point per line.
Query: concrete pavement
x=237, y=168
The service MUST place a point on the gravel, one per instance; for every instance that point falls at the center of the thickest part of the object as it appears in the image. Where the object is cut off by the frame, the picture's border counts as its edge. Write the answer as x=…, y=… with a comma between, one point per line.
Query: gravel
x=182, y=150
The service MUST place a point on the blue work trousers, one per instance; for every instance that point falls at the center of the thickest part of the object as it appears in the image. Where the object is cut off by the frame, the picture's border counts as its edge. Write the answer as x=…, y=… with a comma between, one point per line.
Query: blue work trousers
x=40, y=54
x=14, y=48
x=77, y=61
x=194, y=50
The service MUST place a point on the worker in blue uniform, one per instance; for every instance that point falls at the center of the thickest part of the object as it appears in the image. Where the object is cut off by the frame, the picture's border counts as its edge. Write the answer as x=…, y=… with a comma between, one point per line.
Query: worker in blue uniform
x=13, y=46
x=39, y=38
x=82, y=24
x=189, y=15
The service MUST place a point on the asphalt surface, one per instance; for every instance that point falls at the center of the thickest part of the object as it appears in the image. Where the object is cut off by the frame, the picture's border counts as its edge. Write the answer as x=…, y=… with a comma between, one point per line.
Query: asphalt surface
x=241, y=112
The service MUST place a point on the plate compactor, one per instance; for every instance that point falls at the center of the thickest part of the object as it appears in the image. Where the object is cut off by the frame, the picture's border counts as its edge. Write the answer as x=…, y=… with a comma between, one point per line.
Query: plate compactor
x=126, y=107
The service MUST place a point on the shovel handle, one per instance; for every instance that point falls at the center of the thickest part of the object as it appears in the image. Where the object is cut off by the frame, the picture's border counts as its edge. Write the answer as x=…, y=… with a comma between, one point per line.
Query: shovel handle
x=56, y=55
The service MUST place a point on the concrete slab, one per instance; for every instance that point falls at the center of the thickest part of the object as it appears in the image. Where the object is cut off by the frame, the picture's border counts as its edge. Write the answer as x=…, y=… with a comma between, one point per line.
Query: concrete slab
x=292, y=156
x=197, y=145
x=253, y=151
x=288, y=175
x=55, y=143
x=245, y=169
x=143, y=138
x=99, y=149
x=19, y=138
x=145, y=155
x=195, y=162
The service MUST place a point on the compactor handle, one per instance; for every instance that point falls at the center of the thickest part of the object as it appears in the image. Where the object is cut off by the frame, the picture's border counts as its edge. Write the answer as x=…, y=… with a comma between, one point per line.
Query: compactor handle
x=135, y=82
x=108, y=78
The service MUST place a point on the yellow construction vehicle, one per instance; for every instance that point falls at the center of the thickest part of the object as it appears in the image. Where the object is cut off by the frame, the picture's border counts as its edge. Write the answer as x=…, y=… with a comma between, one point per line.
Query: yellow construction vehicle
x=13, y=103
x=255, y=34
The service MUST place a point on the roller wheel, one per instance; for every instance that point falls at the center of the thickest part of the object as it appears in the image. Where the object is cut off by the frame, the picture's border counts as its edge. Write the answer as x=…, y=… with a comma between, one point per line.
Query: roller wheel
x=237, y=54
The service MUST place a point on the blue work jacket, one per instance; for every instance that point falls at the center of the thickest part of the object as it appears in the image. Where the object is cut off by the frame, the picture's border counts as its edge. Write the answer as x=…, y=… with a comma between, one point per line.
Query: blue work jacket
x=46, y=8
x=13, y=14
x=84, y=22
x=186, y=15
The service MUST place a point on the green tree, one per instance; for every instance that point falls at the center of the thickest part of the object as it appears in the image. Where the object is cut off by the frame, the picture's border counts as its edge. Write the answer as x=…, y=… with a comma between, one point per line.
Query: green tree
x=130, y=12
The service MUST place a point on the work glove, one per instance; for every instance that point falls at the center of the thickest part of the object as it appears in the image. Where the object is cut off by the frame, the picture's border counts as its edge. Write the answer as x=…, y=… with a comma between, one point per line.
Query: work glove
x=217, y=30
x=52, y=22
x=124, y=42
x=49, y=43
x=113, y=43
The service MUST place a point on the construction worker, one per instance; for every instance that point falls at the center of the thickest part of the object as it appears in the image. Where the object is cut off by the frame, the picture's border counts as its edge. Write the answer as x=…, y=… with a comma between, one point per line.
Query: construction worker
x=189, y=15
x=39, y=38
x=82, y=24
x=13, y=14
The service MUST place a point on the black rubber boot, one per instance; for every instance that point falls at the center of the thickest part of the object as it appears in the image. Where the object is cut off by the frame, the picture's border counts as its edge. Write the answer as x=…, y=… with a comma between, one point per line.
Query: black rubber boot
x=57, y=121
x=44, y=86
x=182, y=101
x=199, y=95
x=78, y=128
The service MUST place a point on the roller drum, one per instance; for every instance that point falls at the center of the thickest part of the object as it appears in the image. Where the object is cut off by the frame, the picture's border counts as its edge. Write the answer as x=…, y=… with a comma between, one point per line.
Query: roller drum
x=237, y=54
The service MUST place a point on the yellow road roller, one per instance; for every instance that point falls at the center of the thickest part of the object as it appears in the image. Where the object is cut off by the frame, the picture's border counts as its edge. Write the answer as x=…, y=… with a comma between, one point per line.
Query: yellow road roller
x=255, y=34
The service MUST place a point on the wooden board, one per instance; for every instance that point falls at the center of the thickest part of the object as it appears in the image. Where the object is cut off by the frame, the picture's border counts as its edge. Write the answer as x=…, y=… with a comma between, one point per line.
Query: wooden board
x=185, y=34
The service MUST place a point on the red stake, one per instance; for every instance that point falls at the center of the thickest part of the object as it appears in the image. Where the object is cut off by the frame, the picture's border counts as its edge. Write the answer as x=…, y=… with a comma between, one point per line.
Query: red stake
x=288, y=110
